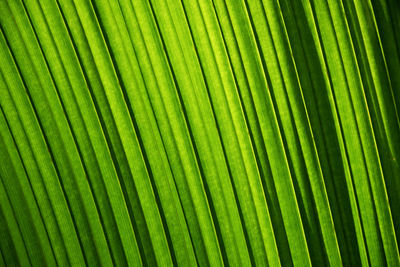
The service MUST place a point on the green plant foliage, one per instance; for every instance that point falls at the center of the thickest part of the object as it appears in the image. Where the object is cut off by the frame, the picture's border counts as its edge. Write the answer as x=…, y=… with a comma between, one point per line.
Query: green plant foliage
x=199, y=133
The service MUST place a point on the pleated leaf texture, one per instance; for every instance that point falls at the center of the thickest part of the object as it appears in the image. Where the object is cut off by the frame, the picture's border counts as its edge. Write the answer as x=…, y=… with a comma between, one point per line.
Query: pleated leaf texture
x=199, y=133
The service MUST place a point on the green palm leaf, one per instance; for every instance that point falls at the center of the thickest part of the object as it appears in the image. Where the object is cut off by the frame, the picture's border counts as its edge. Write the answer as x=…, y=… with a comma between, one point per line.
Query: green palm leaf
x=199, y=132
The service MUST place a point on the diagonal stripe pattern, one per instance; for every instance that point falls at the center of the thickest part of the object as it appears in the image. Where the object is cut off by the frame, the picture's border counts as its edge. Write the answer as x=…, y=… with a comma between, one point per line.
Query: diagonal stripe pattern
x=199, y=133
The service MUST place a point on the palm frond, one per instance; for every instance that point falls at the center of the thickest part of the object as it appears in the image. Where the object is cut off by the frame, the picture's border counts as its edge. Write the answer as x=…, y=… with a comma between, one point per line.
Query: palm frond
x=199, y=132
